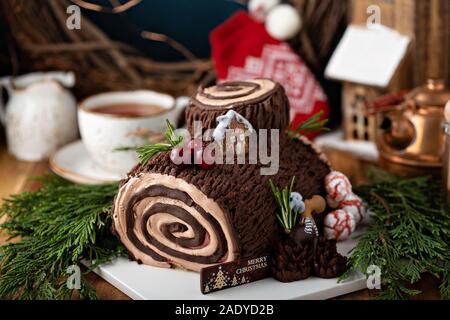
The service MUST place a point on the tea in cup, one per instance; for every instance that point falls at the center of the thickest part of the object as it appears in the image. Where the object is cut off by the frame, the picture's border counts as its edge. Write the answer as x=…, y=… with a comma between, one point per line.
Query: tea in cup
x=107, y=122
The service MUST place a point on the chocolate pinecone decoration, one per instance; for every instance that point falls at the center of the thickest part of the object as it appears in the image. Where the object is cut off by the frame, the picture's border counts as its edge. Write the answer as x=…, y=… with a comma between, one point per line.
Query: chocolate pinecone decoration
x=329, y=263
x=291, y=261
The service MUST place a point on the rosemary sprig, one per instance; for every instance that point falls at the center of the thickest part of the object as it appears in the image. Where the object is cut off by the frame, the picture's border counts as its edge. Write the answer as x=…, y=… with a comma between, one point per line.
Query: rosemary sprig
x=312, y=124
x=58, y=226
x=149, y=151
x=286, y=216
x=410, y=235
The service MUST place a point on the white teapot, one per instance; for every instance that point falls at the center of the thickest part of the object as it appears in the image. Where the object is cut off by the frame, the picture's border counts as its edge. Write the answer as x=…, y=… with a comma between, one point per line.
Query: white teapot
x=41, y=114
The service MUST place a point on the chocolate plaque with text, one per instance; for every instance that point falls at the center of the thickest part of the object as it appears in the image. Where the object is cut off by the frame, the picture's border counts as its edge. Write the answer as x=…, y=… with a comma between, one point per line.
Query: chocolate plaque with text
x=235, y=273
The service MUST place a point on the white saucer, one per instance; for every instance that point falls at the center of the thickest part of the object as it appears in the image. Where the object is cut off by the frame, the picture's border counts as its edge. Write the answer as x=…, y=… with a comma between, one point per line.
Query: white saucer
x=73, y=163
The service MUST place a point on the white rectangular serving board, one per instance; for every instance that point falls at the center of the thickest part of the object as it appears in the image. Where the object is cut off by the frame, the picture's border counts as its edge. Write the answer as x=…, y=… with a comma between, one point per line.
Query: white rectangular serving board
x=141, y=282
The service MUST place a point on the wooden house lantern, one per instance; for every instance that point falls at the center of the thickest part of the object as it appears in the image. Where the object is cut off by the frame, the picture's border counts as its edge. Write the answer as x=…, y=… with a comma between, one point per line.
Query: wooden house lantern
x=367, y=61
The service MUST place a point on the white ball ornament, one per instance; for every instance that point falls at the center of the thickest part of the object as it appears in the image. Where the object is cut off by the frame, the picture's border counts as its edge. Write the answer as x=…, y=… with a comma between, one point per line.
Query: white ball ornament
x=261, y=7
x=283, y=22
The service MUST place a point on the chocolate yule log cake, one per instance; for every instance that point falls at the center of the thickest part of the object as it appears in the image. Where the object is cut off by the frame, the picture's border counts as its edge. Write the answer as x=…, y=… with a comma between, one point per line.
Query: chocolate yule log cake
x=182, y=215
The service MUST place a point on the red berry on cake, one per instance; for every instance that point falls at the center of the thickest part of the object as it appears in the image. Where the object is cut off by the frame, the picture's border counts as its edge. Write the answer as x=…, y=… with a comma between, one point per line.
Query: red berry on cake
x=208, y=158
x=176, y=155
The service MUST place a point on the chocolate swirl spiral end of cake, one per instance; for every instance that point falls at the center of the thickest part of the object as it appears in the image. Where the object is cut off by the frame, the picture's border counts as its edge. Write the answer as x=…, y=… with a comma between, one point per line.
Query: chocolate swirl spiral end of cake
x=165, y=221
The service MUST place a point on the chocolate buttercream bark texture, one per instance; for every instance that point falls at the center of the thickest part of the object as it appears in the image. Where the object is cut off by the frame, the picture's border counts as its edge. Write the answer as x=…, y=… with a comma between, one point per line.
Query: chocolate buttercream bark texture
x=243, y=195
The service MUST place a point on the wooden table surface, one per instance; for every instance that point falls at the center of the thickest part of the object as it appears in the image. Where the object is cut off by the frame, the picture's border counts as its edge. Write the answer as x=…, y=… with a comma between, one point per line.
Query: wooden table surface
x=14, y=175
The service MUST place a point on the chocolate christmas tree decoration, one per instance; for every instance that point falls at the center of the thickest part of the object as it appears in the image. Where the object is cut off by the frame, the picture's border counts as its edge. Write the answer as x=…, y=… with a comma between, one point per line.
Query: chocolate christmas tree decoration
x=328, y=262
x=293, y=255
x=292, y=261
x=220, y=280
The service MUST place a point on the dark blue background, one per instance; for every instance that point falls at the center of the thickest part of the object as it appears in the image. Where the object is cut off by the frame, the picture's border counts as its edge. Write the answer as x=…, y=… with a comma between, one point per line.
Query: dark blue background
x=186, y=21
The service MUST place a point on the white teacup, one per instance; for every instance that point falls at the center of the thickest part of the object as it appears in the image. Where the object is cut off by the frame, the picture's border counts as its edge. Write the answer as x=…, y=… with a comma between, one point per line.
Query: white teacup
x=103, y=133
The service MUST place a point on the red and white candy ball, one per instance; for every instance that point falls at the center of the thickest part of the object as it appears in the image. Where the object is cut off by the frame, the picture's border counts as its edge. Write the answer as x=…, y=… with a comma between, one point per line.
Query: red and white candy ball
x=354, y=205
x=341, y=223
x=338, y=186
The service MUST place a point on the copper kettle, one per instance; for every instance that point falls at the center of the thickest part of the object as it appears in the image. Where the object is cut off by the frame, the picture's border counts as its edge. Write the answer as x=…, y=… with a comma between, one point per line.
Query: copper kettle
x=411, y=131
